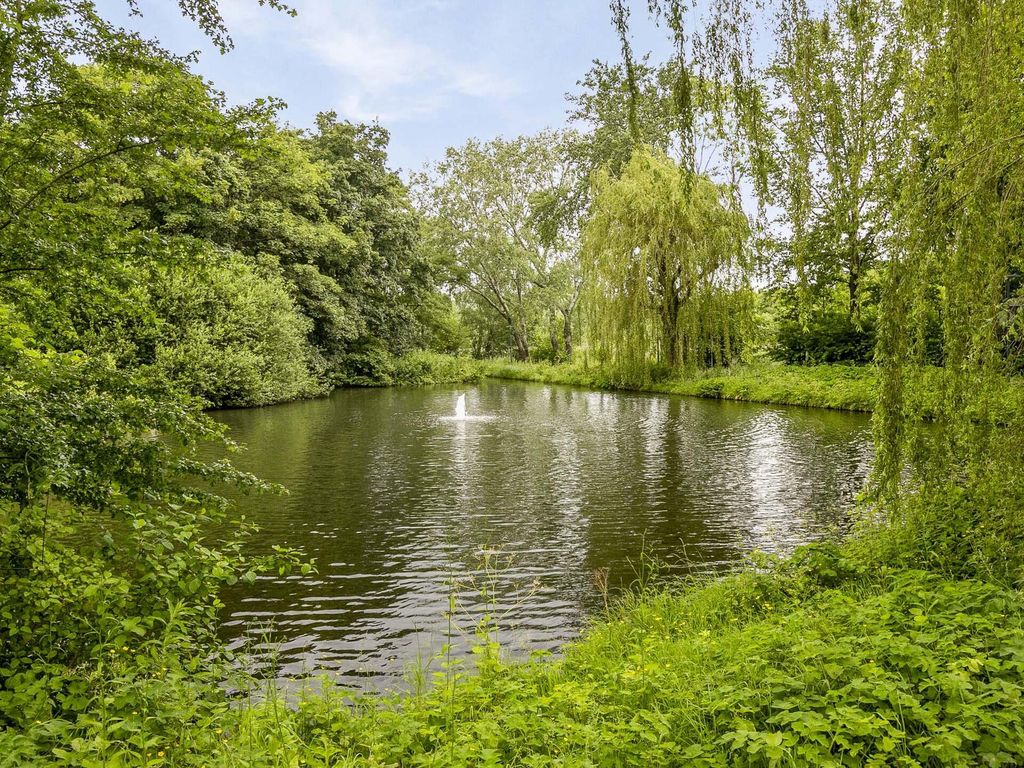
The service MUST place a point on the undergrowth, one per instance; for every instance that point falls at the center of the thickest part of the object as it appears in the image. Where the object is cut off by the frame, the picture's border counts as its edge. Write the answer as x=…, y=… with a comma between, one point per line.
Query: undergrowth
x=843, y=387
x=833, y=657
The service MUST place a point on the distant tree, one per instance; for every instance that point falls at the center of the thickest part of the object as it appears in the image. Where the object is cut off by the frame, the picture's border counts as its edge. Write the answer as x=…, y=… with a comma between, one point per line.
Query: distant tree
x=836, y=79
x=499, y=219
x=665, y=256
x=602, y=107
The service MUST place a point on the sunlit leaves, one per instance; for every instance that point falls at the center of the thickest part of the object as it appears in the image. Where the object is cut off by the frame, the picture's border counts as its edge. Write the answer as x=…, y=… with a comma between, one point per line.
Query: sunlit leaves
x=665, y=258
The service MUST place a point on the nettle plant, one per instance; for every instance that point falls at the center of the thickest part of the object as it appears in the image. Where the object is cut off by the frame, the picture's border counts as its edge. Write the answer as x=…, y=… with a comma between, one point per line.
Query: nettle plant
x=110, y=537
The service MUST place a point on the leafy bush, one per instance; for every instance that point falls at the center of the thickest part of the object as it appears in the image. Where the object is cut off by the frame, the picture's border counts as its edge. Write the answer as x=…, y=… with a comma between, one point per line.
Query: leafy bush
x=831, y=337
x=232, y=335
x=423, y=367
x=105, y=524
x=369, y=365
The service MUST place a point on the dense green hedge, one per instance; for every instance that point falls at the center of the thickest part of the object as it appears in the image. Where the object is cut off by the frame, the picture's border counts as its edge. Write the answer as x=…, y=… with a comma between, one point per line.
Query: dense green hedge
x=828, y=338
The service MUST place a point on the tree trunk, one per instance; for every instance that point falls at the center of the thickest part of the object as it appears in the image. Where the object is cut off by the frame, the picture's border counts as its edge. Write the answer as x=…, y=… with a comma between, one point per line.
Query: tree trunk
x=8, y=57
x=853, y=283
x=670, y=329
x=567, y=333
x=553, y=337
x=670, y=302
x=521, y=344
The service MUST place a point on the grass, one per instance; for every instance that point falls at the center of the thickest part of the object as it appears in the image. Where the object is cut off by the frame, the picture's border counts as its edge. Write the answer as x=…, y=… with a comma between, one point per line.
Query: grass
x=820, y=660
x=842, y=387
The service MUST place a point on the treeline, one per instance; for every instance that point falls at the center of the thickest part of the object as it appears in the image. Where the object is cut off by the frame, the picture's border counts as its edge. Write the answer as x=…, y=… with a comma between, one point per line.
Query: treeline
x=147, y=221
x=162, y=252
x=624, y=239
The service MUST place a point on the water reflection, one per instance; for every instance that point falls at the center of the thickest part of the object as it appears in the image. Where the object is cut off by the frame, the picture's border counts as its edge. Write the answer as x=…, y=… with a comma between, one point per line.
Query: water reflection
x=396, y=504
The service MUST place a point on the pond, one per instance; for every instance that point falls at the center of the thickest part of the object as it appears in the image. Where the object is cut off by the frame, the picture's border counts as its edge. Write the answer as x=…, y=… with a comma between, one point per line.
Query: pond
x=540, y=493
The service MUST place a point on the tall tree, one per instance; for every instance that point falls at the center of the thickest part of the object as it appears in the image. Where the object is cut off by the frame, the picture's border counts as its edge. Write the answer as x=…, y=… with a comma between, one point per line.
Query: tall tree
x=602, y=107
x=836, y=79
x=495, y=215
x=664, y=257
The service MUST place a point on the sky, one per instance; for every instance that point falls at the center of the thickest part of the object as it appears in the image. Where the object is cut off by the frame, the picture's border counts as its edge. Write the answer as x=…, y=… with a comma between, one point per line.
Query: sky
x=433, y=72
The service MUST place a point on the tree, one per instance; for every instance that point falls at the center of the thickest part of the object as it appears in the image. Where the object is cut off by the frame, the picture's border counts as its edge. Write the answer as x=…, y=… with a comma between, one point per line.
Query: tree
x=664, y=256
x=496, y=218
x=326, y=208
x=106, y=512
x=387, y=276
x=836, y=79
x=602, y=108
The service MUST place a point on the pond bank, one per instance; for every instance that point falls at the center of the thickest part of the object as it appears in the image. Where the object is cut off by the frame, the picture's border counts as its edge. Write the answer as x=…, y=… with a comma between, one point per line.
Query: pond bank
x=839, y=387
x=821, y=660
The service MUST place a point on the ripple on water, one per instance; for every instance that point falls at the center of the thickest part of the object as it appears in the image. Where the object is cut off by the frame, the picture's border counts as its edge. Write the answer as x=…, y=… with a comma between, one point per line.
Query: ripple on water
x=399, y=506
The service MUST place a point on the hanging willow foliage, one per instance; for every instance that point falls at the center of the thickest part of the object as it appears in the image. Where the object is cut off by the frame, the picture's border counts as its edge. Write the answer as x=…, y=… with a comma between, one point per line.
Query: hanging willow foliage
x=912, y=112
x=960, y=219
x=664, y=260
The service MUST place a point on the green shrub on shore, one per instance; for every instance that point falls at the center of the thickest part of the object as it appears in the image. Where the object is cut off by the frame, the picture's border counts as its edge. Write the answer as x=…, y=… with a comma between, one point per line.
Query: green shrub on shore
x=377, y=368
x=843, y=387
x=819, y=660
x=422, y=367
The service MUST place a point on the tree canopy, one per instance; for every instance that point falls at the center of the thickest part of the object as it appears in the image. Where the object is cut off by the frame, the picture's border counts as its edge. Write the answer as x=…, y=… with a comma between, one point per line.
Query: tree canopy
x=664, y=257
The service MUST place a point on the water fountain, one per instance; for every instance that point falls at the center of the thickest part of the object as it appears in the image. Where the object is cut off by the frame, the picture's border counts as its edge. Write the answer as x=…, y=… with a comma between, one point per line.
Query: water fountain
x=460, y=412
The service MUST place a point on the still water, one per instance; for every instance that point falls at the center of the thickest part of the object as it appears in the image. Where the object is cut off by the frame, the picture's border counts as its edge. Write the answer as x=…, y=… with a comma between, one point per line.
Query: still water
x=401, y=505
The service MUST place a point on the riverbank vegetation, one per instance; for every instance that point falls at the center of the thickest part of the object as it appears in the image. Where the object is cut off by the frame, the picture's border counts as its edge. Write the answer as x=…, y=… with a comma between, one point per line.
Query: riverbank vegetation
x=162, y=252
x=842, y=387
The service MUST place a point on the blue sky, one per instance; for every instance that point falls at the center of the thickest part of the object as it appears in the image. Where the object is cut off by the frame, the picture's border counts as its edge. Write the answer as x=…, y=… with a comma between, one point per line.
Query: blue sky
x=434, y=72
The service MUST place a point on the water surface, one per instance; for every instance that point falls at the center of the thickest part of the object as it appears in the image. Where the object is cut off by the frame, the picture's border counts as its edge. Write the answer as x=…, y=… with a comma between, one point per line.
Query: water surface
x=400, y=507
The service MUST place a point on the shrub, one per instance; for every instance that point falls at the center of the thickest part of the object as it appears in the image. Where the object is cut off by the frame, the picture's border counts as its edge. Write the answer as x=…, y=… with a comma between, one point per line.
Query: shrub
x=232, y=335
x=422, y=367
x=830, y=337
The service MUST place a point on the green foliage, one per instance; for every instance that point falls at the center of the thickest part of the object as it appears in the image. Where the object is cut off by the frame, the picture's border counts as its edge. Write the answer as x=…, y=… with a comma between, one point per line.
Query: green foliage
x=827, y=338
x=817, y=661
x=104, y=521
x=230, y=334
x=836, y=76
x=664, y=259
x=957, y=248
x=417, y=368
x=603, y=106
x=160, y=252
x=502, y=221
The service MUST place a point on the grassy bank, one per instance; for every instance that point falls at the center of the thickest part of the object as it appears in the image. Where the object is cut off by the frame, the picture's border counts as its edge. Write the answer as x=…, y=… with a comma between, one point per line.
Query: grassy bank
x=844, y=387
x=823, y=660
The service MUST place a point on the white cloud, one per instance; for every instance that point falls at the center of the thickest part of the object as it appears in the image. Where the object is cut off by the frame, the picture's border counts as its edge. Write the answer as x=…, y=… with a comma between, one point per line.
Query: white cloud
x=376, y=71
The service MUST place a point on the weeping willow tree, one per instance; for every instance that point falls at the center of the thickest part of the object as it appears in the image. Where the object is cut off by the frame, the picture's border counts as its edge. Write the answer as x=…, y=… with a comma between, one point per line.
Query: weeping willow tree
x=664, y=260
x=959, y=231
x=941, y=173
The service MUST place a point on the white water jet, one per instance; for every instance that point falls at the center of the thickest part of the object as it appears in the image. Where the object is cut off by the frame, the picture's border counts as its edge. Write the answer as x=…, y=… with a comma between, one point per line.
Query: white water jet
x=460, y=412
